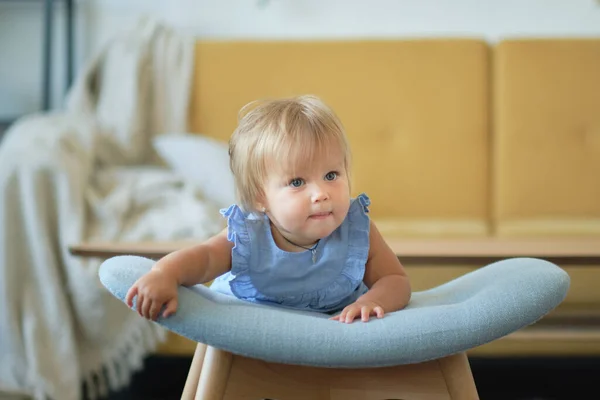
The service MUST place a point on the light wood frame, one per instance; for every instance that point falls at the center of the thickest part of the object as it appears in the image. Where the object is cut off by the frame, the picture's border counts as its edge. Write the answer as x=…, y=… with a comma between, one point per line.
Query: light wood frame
x=219, y=375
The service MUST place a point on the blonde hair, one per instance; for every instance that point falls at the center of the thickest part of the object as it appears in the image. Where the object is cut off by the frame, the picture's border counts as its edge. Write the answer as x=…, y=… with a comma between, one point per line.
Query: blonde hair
x=288, y=130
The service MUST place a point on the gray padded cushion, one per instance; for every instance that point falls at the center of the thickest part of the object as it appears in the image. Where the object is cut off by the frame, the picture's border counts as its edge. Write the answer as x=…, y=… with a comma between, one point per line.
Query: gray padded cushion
x=468, y=311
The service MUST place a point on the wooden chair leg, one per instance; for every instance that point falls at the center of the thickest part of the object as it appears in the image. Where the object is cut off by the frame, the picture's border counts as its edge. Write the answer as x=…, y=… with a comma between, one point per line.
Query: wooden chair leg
x=215, y=374
x=250, y=379
x=191, y=382
x=458, y=376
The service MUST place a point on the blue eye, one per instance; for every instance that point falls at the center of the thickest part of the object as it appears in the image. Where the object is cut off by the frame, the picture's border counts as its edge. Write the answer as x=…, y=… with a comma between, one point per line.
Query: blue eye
x=331, y=176
x=296, y=182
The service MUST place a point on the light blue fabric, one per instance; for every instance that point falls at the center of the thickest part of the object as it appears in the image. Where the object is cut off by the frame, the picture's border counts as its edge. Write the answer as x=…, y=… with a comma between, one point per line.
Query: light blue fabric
x=325, y=281
x=471, y=310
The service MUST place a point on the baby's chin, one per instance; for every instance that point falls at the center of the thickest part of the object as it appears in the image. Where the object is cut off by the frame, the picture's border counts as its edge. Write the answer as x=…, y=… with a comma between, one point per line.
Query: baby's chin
x=323, y=233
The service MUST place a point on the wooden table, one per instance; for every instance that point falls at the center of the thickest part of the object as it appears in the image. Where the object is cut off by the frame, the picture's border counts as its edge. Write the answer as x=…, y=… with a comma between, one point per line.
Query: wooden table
x=580, y=251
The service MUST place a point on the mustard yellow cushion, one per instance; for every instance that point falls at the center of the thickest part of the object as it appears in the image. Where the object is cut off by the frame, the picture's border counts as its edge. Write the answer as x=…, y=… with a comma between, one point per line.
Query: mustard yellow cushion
x=547, y=137
x=416, y=112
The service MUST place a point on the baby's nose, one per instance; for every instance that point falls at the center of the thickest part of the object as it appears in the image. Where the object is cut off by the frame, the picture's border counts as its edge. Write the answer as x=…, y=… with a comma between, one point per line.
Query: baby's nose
x=319, y=195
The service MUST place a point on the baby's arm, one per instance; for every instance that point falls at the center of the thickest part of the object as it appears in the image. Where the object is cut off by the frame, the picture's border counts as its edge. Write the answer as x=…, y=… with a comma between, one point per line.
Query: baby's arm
x=192, y=265
x=199, y=263
x=389, y=286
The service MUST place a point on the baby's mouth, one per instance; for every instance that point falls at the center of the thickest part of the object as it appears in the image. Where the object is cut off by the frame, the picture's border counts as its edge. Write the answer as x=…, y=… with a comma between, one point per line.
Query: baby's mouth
x=321, y=215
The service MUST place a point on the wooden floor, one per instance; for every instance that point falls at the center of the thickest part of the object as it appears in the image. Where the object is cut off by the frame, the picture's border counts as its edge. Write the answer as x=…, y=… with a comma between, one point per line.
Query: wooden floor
x=496, y=379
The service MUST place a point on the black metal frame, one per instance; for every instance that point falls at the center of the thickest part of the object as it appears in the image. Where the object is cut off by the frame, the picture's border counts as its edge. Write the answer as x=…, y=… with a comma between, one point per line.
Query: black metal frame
x=48, y=34
x=47, y=51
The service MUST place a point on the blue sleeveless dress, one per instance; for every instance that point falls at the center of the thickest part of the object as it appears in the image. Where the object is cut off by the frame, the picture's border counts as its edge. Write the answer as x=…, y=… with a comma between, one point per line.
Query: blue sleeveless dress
x=325, y=280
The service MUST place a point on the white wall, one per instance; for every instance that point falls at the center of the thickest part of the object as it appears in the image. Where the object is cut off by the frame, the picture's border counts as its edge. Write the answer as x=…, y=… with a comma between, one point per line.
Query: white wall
x=97, y=20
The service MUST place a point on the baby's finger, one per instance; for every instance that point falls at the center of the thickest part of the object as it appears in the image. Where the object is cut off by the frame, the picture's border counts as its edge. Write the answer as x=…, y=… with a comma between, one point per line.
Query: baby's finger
x=154, y=309
x=379, y=311
x=130, y=295
x=170, y=308
x=351, y=314
x=335, y=318
x=342, y=316
x=146, y=308
x=365, y=312
x=138, y=303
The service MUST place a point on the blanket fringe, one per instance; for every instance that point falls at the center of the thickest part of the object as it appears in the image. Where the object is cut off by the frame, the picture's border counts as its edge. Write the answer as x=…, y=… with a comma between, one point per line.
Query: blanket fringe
x=121, y=362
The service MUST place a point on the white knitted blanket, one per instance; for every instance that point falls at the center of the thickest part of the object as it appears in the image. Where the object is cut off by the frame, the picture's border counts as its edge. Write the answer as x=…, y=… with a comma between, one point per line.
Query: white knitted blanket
x=90, y=173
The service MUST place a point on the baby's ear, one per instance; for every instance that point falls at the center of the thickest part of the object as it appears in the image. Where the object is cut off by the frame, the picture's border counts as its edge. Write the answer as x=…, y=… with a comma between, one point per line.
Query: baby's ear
x=260, y=204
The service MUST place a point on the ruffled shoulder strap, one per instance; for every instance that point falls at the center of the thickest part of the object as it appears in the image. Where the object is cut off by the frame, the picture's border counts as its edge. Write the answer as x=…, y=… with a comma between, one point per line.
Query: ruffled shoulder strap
x=236, y=223
x=237, y=233
x=359, y=229
x=359, y=221
x=359, y=208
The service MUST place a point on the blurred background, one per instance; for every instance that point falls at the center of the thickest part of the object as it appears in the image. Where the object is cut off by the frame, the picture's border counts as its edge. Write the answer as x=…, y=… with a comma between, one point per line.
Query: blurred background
x=44, y=45
x=23, y=27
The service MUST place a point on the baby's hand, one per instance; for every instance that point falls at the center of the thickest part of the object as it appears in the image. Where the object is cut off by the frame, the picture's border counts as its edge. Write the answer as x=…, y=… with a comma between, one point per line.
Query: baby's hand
x=153, y=290
x=363, y=309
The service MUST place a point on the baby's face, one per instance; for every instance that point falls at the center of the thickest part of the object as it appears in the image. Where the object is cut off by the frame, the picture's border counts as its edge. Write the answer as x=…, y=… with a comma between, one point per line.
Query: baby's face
x=309, y=203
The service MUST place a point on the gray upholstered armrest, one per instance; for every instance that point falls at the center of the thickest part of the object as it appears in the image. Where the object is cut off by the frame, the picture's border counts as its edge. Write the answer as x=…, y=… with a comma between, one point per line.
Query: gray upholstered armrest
x=471, y=310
